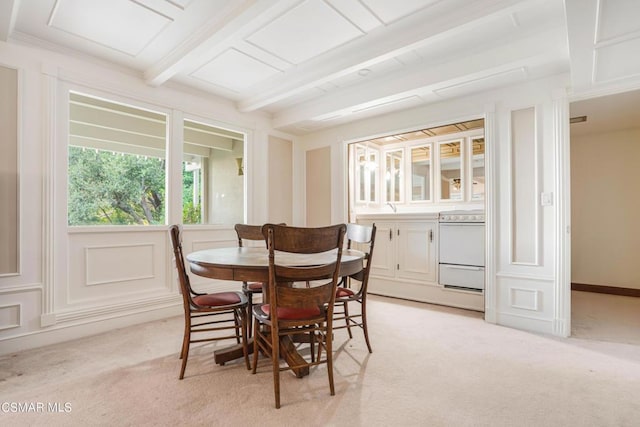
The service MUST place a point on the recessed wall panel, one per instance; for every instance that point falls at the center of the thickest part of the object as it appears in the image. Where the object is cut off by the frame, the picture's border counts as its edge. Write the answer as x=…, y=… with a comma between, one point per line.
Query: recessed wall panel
x=10, y=316
x=524, y=230
x=318, y=187
x=526, y=299
x=121, y=263
x=9, y=171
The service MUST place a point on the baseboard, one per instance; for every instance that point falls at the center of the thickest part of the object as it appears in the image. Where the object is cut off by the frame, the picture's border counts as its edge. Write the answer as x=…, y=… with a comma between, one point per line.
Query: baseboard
x=612, y=290
x=61, y=333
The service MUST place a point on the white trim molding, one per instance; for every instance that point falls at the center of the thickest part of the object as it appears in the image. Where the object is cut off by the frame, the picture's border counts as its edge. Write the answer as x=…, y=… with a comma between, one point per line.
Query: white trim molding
x=562, y=211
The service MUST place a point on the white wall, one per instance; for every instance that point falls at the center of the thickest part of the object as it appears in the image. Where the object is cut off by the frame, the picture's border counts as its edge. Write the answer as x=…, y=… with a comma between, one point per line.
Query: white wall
x=280, y=180
x=318, y=187
x=605, y=205
x=526, y=295
x=86, y=280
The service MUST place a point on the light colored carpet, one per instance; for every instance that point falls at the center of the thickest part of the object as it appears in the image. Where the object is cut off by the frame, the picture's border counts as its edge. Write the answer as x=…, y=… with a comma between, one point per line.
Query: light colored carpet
x=431, y=366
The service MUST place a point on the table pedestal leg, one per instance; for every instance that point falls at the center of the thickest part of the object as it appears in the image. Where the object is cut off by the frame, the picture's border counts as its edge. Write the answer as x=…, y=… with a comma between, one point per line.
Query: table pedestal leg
x=227, y=354
x=289, y=353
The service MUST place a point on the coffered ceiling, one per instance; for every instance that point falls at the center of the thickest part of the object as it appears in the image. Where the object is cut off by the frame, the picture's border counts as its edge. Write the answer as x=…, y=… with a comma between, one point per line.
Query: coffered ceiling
x=309, y=64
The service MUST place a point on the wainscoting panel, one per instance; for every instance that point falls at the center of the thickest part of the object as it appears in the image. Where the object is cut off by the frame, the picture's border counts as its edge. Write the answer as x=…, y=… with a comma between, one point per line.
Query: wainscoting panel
x=113, y=268
x=19, y=310
x=10, y=316
x=112, y=264
x=527, y=299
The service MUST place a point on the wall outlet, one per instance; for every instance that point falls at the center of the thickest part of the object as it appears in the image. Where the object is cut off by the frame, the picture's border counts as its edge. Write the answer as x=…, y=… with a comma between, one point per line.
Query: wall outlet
x=546, y=199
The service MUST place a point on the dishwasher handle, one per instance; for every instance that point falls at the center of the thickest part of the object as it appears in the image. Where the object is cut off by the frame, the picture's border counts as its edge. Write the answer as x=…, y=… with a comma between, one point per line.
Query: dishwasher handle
x=464, y=267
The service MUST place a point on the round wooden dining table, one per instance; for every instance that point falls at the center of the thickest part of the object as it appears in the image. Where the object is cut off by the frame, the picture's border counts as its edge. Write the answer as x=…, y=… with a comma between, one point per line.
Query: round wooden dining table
x=251, y=264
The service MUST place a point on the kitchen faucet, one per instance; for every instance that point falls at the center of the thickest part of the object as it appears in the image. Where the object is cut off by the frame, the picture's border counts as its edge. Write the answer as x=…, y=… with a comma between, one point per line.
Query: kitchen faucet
x=392, y=207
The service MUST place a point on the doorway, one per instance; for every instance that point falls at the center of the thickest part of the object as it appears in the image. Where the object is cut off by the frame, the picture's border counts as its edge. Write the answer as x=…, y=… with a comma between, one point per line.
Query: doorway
x=605, y=278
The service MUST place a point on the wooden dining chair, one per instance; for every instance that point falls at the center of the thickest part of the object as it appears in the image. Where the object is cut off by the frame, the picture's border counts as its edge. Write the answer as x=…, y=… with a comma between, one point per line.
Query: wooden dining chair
x=300, y=298
x=364, y=238
x=210, y=313
x=253, y=233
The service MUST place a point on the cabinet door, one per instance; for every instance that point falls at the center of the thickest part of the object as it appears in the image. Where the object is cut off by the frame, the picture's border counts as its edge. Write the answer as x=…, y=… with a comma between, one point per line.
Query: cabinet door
x=416, y=251
x=384, y=256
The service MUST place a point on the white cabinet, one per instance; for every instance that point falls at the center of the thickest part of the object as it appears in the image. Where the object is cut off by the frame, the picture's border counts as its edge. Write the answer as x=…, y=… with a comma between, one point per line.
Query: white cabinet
x=405, y=249
x=405, y=261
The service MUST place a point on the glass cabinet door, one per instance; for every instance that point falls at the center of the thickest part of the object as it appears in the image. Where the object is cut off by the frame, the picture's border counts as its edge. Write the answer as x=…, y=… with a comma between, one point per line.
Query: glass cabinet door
x=421, y=173
x=366, y=176
x=361, y=174
x=451, y=183
x=393, y=175
x=477, y=168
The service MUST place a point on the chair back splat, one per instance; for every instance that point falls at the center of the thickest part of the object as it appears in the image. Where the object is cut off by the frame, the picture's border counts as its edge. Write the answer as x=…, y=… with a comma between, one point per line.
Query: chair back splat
x=215, y=314
x=364, y=237
x=300, y=296
x=252, y=233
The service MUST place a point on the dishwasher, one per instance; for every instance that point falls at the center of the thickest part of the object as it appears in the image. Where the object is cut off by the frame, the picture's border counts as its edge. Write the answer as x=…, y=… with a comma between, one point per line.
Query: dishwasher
x=462, y=250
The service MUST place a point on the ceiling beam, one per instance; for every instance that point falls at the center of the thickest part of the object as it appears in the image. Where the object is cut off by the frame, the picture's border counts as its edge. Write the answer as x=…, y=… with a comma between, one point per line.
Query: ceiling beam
x=8, y=14
x=404, y=35
x=581, y=28
x=215, y=36
x=416, y=82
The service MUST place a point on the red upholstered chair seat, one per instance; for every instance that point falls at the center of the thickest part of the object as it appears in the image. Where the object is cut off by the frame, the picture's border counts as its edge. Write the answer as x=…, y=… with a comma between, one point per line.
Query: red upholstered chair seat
x=344, y=292
x=288, y=313
x=217, y=299
x=254, y=286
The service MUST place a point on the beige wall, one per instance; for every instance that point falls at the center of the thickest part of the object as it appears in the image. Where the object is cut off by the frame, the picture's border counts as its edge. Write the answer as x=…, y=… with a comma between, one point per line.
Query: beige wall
x=605, y=206
x=280, y=180
x=318, y=187
x=8, y=170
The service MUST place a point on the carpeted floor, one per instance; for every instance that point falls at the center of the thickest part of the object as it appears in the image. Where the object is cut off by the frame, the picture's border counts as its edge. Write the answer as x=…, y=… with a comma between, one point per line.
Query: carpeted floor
x=431, y=366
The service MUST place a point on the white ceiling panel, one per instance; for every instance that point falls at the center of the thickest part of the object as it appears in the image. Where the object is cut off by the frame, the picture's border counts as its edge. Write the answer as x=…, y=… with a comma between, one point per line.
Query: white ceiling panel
x=122, y=25
x=357, y=13
x=234, y=70
x=305, y=31
x=613, y=19
x=615, y=61
x=389, y=11
x=182, y=4
x=374, y=71
x=339, y=60
x=483, y=83
x=499, y=30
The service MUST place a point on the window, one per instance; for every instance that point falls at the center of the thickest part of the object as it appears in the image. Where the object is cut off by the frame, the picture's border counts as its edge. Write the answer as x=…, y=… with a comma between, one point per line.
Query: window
x=477, y=168
x=366, y=174
x=394, y=161
x=116, y=163
x=212, y=175
x=451, y=179
x=421, y=173
x=418, y=169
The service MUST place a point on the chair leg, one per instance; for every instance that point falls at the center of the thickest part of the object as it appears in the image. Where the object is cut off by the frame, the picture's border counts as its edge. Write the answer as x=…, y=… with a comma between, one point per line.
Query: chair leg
x=186, y=336
x=345, y=304
x=185, y=354
x=256, y=348
x=312, y=345
x=250, y=312
x=245, y=346
x=275, y=360
x=329, y=344
x=186, y=340
x=238, y=322
x=364, y=324
x=320, y=344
